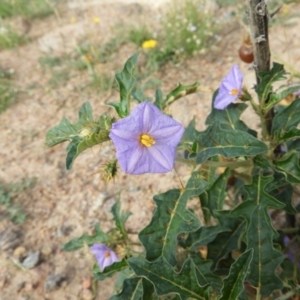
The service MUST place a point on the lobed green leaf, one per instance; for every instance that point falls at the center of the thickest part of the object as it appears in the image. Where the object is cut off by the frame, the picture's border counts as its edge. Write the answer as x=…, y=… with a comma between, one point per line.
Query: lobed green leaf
x=132, y=290
x=230, y=117
x=228, y=143
x=85, y=239
x=275, y=98
x=204, y=274
x=170, y=219
x=226, y=241
x=288, y=165
x=82, y=135
x=234, y=282
x=260, y=234
x=286, y=118
x=166, y=280
x=267, y=79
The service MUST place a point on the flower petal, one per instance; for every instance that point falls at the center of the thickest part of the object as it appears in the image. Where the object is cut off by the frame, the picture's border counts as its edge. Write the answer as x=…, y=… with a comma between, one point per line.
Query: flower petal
x=233, y=81
x=164, y=157
x=223, y=99
x=136, y=158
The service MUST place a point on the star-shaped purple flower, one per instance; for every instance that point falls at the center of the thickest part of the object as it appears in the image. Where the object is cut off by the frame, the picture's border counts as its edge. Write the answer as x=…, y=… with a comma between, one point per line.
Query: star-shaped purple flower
x=146, y=140
x=230, y=88
x=104, y=255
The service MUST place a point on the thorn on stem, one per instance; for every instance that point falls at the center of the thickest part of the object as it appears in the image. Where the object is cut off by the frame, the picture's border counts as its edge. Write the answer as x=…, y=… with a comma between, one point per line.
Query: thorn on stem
x=260, y=8
x=261, y=38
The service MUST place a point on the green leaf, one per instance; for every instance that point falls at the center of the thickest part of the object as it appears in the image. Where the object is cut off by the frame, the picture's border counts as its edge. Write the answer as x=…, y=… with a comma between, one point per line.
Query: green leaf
x=289, y=167
x=166, y=280
x=61, y=133
x=204, y=236
x=135, y=289
x=226, y=241
x=82, y=135
x=230, y=117
x=66, y=131
x=148, y=290
x=110, y=270
x=262, y=163
x=159, y=99
x=287, y=118
x=189, y=133
x=138, y=95
x=180, y=91
x=267, y=79
x=234, y=282
x=169, y=219
x=260, y=234
x=217, y=192
x=204, y=274
x=280, y=189
x=227, y=143
x=77, y=243
x=132, y=290
x=126, y=80
x=275, y=98
x=292, y=134
x=188, y=140
x=120, y=217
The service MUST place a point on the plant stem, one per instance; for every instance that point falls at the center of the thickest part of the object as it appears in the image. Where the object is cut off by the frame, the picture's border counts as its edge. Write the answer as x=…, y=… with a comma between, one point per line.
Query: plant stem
x=216, y=164
x=288, y=295
x=258, y=22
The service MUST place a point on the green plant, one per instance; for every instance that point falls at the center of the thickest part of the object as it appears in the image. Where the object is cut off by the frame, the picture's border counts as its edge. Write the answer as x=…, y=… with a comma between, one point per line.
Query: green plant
x=8, y=93
x=7, y=194
x=138, y=35
x=28, y=8
x=9, y=38
x=59, y=77
x=189, y=27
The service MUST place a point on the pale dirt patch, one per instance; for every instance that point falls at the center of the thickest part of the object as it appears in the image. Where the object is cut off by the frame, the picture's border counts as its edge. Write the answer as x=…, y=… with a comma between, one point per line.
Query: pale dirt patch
x=79, y=199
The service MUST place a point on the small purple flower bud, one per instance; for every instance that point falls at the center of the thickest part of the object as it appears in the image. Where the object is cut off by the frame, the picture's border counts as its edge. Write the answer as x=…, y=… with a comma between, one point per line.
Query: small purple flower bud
x=230, y=88
x=104, y=255
x=146, y=140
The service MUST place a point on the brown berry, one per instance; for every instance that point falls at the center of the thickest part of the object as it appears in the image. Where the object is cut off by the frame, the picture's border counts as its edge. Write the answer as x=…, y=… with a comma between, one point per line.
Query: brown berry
x=246, y=53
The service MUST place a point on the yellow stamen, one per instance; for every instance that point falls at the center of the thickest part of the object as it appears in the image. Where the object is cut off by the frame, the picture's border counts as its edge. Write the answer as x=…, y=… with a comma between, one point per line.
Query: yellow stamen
x=147, y=140
x=234, y=92
x=107, y=254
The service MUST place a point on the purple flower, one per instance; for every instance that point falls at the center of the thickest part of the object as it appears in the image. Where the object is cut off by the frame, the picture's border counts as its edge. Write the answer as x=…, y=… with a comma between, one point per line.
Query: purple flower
x=104, y=255
x=230, y=88
x=146, y=140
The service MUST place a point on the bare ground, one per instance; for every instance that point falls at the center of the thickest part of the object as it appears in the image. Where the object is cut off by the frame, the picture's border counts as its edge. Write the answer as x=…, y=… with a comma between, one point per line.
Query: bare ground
x=64, y=205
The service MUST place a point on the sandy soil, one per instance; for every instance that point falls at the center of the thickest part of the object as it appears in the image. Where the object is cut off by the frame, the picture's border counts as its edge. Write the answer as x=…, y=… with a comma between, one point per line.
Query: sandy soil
x=63, y=205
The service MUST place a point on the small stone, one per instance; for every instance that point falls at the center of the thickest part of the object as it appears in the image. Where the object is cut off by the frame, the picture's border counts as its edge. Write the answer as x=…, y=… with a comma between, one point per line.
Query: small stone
x=28, y=287
x=9, y=239
x=46, y=250
x=31, y=260
x=3, y=280
x=87, y=282
x=87, y=295
x=53, y=282
x=20, y=286
x=20, y=252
